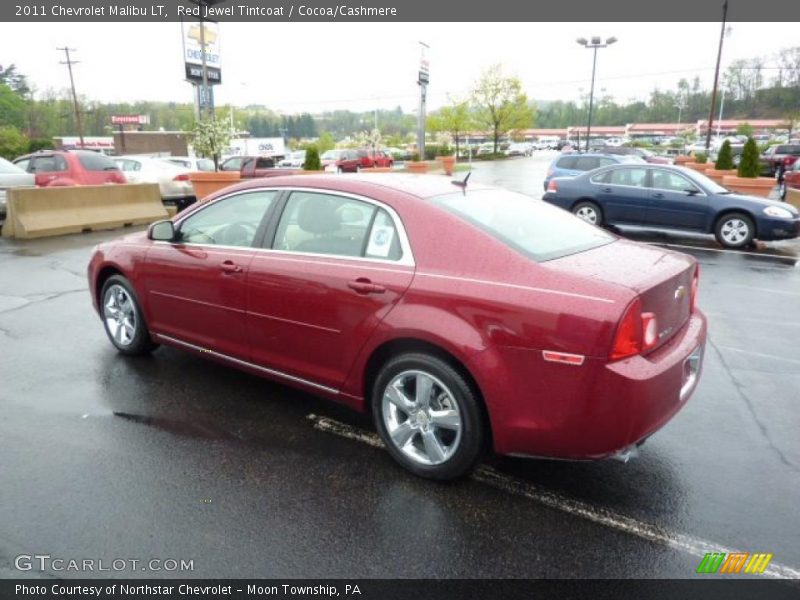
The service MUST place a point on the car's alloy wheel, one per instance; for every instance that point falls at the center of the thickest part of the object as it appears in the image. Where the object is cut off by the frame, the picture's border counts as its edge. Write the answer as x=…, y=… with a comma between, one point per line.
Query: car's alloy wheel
x=428, y=416
x=735, y=230
x=589, y=212
x=123, y=319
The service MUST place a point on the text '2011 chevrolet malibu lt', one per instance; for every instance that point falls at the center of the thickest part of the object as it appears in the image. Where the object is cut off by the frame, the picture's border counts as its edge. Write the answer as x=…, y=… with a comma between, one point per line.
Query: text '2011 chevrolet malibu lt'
x=464, y=318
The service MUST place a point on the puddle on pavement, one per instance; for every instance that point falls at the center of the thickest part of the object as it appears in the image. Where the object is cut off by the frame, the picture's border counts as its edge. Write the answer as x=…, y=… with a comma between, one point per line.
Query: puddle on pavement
x=195, y=430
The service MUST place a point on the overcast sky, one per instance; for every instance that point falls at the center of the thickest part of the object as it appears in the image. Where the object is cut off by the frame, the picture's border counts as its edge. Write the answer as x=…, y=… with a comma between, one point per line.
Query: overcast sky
x=296, y=67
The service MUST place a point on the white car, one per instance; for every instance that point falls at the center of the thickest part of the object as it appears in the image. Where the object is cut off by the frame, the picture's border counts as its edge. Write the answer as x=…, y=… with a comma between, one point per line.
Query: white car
x=294, y=160
x=173, y=181
x=12, y=176
x=193, y=163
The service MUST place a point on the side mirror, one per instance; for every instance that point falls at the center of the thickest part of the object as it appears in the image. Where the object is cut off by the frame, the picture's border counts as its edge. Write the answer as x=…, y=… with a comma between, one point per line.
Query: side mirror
x=161, y=231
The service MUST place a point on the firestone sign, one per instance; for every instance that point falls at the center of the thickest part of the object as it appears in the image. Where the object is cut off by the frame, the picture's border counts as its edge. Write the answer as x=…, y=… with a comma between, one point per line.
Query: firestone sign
x=130, y=119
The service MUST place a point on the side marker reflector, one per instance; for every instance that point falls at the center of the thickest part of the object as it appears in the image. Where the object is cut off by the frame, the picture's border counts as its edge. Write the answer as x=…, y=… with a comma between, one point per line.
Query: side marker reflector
x=562, y=357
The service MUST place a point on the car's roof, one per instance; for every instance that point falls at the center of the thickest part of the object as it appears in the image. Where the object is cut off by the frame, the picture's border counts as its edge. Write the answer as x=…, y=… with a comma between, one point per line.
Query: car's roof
x=422, y=186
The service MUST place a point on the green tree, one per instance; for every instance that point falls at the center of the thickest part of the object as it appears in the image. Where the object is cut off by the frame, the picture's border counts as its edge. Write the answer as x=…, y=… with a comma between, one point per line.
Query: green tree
x=500, y=104
x=745, y=129
x=210, y=137
x=312, y=162
x=12, y=107
x=12, y=142
x=455, y=119
x=725, y=158
x=749, y=166
x=325, y=142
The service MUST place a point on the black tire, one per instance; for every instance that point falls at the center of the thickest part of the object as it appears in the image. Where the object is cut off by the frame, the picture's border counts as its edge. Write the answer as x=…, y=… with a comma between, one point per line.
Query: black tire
x=782, y=190
x=584, y=208
x=465, y=450
x=137, y=343
x=741, y=227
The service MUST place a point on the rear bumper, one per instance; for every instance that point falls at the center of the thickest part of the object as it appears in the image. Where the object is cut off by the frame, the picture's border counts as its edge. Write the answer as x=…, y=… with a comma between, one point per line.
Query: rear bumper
x=599, y=408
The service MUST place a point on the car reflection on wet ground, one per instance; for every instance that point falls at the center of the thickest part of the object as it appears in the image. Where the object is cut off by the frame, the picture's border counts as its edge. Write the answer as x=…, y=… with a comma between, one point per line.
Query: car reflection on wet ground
x=175, y=455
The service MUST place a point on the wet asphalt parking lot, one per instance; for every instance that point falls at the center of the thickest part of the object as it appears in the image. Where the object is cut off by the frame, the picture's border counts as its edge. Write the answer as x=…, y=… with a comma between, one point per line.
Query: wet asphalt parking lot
x=173, y=456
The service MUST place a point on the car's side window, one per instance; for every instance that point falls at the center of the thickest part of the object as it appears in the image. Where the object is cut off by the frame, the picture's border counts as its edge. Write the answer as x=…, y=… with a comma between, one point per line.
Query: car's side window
x=664, y=180
x=604, y=162
x=567, y=162
x=232, y=221
x=586, y=163
x=628, y=177
x=383, y=241
x=327, y=224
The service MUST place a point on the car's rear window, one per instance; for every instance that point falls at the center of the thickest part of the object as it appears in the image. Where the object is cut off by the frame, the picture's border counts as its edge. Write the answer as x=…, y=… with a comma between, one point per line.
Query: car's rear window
x=567, y=162
x=92, y=161
x=532, y=227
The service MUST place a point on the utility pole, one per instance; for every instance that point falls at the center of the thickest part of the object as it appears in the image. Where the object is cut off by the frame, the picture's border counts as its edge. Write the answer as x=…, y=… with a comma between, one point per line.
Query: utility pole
x=78, y=120
x=716, y=76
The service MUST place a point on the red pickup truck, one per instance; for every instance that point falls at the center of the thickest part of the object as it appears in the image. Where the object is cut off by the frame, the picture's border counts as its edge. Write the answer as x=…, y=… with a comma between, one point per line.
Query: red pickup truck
x=250, y=167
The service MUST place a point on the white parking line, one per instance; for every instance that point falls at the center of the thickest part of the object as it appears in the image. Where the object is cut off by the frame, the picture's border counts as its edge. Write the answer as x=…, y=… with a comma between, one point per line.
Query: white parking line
x=762, y=355
x=760, y=289
x=722, y=250
x=691, y=545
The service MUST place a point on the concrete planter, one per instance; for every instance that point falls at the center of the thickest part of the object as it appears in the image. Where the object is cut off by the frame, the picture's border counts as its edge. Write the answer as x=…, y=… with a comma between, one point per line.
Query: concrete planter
x=448, y=164
x=717, y=175
x=752, y=186
x=416, y=167
x=206, y=183
x=699, y=167
x=378, y=170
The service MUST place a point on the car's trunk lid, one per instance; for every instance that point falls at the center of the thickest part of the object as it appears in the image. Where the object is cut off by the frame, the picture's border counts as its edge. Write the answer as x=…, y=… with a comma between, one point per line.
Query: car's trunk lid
x=661, y=278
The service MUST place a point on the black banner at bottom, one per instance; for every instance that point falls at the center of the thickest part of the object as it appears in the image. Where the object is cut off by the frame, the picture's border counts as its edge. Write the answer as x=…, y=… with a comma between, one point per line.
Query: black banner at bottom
x=405, y=589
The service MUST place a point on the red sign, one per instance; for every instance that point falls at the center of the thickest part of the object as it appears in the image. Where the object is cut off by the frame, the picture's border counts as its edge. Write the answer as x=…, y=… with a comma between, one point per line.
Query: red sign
x=130, y=119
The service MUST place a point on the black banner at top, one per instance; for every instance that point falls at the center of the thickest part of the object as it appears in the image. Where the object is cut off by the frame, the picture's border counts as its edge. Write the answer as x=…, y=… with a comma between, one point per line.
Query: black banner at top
x=397, y=10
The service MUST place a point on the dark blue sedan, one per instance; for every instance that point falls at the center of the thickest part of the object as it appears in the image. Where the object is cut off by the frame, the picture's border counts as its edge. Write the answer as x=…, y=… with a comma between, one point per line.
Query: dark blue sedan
x=672, y=198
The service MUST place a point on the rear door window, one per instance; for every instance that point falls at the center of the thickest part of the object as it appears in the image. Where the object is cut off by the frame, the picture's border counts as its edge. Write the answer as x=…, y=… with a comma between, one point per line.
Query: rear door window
x=628, y=177
x=586, y=163
x=94, y=161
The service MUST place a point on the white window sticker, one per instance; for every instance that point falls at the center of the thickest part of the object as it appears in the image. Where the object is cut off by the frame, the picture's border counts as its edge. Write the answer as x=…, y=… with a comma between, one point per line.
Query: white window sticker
x=380, y=243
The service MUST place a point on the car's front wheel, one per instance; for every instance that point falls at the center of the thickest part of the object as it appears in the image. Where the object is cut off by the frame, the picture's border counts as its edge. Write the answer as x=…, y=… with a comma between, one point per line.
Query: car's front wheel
x=429, y=416
x=589, y=212
x=735, y=230
x=123, y=318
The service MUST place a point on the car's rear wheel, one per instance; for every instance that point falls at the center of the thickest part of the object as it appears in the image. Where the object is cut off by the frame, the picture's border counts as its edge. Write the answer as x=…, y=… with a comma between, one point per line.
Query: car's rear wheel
x=589, y=212
x=735, y=230
x=123, y=318
x=428, y=416
x=782, y=189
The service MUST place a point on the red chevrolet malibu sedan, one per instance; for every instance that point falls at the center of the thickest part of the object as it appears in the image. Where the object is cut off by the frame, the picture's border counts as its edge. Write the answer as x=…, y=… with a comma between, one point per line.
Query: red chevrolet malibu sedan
x=464, y=318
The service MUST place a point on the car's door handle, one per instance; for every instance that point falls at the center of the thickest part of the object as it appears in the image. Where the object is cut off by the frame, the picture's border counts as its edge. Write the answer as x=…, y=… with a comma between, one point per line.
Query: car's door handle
x=606, y=190
x=362, y=285
x=229, y=266
x=658, y=195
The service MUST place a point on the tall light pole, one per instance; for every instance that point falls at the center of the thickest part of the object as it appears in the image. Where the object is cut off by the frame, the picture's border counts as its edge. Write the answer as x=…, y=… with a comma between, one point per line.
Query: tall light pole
x=716, y=76
x=595, y=43
x=422, y=80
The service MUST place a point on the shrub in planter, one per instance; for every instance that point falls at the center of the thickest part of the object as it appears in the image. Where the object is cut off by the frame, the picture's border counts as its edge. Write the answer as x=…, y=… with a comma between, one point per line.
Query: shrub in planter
x=749, y=166
x=415, y=157
x=312, y=162
x=701, y=158
x=725, y=158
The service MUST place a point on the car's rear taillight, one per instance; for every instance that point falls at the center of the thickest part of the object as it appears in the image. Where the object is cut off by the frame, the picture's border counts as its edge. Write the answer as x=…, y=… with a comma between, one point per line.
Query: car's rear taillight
x=628, y=340
x=181, y=177
x=693, y=293
x=552, y=186
x=637, y=332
